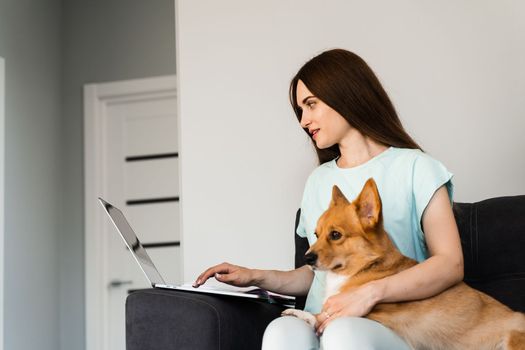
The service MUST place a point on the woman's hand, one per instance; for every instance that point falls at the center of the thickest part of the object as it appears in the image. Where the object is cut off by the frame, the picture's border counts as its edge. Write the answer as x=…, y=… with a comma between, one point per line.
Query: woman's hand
x=357, y=302
x=227, y=273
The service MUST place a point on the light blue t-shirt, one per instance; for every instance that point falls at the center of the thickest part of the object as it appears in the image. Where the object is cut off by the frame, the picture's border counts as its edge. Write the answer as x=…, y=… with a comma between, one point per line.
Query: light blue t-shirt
x=406, y=179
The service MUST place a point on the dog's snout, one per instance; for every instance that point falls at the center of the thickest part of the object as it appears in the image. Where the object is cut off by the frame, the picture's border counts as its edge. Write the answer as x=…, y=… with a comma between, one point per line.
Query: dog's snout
x=310, y=258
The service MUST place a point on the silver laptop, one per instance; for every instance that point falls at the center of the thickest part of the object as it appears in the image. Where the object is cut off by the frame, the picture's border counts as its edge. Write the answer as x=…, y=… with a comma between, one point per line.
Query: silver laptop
x=156, y=280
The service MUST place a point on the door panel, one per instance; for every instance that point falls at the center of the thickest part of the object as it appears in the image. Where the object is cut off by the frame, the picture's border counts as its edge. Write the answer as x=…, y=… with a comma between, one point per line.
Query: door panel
x=159, y=220
x=137, y=150
x=150, y=134
x=151, y=179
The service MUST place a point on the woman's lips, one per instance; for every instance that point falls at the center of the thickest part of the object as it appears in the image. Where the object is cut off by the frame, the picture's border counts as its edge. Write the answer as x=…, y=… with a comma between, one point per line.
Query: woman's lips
x=314, y=133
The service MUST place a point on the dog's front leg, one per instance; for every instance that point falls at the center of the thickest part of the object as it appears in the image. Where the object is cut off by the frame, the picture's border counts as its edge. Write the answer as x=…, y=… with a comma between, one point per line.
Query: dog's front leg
x=303, y=315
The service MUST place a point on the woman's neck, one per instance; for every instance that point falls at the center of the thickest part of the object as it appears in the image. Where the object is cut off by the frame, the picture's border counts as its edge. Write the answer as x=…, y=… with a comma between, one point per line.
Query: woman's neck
x=357, y=149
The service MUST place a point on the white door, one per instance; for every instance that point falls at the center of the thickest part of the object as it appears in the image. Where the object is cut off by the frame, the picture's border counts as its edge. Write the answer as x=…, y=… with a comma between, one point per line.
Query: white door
x=132, y=162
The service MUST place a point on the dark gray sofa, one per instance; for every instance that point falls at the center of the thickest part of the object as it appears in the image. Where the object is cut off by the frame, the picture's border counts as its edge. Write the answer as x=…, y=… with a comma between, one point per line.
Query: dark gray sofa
x=493, y=240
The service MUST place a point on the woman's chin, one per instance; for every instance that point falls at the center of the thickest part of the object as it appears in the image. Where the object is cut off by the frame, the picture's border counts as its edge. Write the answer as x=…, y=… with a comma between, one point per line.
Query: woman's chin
x=322, y=145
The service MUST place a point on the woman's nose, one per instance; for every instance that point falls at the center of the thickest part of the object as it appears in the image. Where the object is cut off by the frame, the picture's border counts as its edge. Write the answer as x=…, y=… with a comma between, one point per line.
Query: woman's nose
x=305, y=121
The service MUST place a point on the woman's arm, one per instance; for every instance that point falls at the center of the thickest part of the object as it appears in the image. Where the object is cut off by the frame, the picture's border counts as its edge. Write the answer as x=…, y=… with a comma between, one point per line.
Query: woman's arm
x=295, y=282
x=441, y=270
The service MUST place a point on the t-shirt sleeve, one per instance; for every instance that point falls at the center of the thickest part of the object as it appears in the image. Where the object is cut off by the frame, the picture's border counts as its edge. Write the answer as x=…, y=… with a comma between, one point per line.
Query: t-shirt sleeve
x=428, y=176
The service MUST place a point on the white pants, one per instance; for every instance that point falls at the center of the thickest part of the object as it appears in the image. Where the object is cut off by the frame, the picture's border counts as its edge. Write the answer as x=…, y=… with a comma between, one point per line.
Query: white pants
x=344, y=333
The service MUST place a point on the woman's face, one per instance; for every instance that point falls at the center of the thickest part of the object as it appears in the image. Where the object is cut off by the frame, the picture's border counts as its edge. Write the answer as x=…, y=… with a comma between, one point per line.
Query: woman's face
x=325, y=125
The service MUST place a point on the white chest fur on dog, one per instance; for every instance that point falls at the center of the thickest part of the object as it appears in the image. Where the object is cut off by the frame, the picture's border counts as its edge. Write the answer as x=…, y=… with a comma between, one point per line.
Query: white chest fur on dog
x=334, y=282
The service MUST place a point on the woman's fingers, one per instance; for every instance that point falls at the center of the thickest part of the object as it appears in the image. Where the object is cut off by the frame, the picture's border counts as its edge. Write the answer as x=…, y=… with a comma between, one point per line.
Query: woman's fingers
x=209, y=273
x=326, y=315
x=226, y=278
x=220, y=269
x=321, y=327
x=239, y=277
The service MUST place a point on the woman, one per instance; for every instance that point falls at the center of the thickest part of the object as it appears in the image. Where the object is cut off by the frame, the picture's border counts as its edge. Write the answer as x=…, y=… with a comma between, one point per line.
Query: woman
x=357, y=134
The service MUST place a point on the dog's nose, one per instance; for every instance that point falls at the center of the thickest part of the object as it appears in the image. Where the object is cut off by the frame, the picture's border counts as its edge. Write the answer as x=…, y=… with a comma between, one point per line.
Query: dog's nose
x=310, y=258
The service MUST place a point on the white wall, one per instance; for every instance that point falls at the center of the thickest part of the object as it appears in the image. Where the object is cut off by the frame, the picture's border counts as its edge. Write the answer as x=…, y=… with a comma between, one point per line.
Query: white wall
x=2, y=222
x=30, y=45
x=452, y=68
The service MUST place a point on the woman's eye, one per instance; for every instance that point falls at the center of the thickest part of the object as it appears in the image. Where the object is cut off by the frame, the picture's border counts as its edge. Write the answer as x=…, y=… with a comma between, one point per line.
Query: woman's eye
x=310, y=104
x=334, y=235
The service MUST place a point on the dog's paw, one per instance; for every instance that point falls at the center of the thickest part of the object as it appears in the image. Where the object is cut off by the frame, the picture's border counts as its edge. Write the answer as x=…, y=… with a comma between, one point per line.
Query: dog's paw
x=303, y=315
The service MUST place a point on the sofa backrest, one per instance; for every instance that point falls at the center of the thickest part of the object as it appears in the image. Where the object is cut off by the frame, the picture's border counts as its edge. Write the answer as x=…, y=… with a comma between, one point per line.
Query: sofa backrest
x=493, y=241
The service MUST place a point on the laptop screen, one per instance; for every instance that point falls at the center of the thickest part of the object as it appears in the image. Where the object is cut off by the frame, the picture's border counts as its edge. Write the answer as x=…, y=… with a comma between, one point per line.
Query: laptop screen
x=133, y=243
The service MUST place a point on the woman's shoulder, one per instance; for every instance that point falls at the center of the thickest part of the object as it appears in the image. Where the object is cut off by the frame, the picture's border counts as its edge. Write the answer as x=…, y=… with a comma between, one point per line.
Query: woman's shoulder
x=413, y=157
x=425, y=173
x=411, y=165
x=391, y=158
x=396, y=162
x=406, y=154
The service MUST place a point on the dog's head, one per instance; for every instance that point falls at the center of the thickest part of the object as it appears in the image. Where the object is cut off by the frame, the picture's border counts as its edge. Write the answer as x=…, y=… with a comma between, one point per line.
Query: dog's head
x=350, y=235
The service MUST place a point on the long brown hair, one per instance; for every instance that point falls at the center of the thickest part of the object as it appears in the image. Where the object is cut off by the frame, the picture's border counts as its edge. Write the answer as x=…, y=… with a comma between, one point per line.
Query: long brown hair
x=344, y=81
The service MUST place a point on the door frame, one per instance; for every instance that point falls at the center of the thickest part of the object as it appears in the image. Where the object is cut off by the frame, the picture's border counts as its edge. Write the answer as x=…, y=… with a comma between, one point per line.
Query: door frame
x=96, y=98
x=2, y=196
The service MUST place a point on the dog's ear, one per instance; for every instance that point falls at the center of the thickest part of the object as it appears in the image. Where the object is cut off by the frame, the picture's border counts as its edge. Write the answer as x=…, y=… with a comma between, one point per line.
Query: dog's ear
x=368, y=205
x=338, y=197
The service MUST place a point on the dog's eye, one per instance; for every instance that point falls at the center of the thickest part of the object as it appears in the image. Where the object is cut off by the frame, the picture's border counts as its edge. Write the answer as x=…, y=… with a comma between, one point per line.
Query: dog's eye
x=334, y=235
x=316, y=235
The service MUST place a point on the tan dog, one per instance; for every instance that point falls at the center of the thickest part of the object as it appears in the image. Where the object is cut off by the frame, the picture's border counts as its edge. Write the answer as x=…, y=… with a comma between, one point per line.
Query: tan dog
x=355, y=249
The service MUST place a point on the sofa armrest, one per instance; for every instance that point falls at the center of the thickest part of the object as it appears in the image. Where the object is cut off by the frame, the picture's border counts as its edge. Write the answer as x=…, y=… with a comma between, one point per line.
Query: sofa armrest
x=170, y=319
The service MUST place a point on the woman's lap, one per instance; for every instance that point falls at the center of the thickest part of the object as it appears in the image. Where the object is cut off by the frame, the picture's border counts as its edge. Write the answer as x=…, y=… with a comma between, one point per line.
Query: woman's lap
x=289, y=333
x=345, y=333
